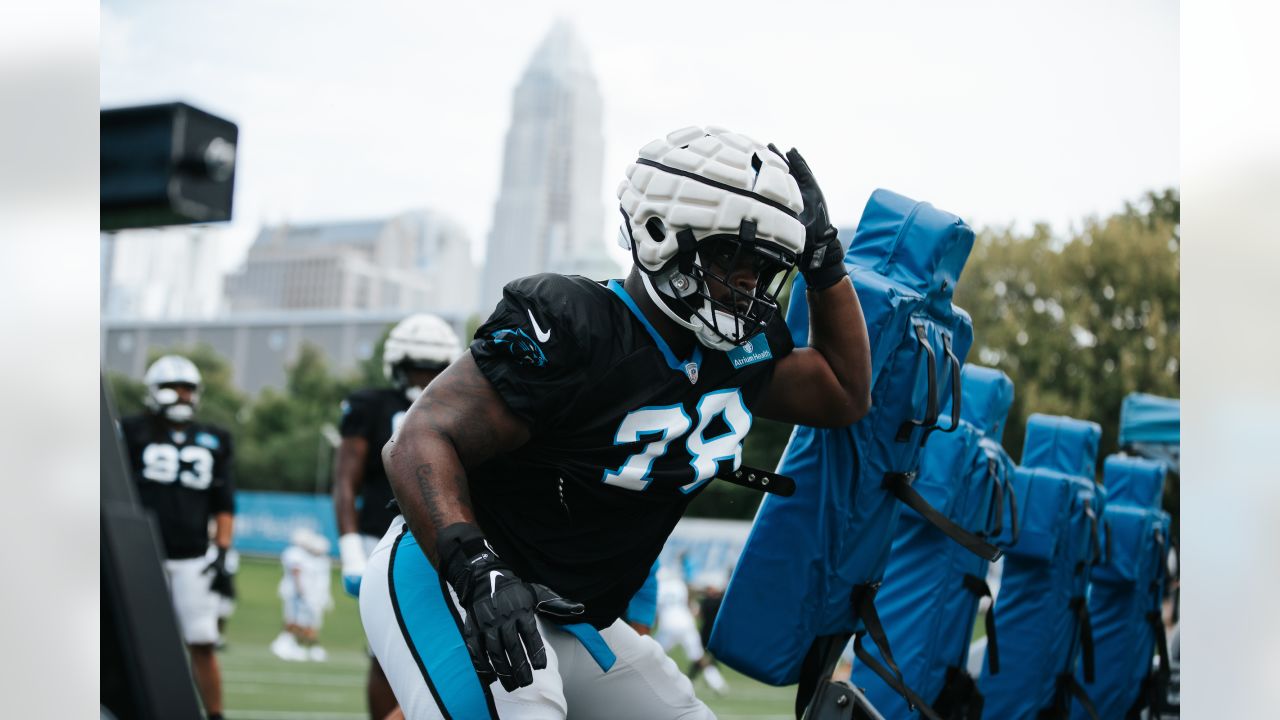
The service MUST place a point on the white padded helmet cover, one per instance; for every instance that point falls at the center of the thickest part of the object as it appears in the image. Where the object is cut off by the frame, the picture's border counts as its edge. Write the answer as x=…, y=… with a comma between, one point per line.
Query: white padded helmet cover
x=681, y=202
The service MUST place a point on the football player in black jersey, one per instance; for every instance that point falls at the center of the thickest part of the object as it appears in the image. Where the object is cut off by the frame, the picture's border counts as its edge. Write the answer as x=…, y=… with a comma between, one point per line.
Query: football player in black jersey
x=182, y=469
x=540, y=475
x=416, y=350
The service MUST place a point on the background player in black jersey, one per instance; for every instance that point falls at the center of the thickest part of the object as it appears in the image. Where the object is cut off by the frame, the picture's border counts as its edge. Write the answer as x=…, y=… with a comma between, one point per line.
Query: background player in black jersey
x=183, y=473
x=541, y=474
x=416, y=350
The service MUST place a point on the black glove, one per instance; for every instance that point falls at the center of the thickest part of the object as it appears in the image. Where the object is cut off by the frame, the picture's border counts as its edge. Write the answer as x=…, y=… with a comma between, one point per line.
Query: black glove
x=822, y=262
x=223, y=582
x=500, y=631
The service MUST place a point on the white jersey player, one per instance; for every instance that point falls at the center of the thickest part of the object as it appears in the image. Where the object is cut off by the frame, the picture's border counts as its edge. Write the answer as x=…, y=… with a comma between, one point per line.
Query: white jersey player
x=676, y=625
x=304, y=589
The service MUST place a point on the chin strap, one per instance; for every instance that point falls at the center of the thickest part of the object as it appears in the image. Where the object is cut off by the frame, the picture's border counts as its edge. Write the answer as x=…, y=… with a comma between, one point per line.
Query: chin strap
x=706, y=335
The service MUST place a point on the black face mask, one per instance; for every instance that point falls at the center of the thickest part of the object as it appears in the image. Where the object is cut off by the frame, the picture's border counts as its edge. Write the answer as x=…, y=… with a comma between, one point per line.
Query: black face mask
x=739, y=279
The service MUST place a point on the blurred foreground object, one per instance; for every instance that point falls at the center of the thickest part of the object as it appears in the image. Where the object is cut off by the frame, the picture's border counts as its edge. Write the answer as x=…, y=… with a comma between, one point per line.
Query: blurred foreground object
x=160, y=165
x=167, y=164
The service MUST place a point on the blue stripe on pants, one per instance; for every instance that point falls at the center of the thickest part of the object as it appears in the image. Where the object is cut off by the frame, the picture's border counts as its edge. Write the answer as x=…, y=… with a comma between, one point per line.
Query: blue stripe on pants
x=430, y=629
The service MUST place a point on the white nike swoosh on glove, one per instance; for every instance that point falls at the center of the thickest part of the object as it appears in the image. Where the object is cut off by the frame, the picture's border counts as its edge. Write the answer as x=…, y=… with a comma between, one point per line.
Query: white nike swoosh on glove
x=542, y=335
x=493, y=581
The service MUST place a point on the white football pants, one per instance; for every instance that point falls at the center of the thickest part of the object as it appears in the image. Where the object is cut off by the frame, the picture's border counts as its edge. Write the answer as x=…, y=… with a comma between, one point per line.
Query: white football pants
x=413, y=623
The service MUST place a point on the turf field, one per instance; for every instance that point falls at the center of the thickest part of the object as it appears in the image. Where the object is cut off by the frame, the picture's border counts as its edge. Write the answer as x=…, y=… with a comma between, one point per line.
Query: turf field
x=258, y=686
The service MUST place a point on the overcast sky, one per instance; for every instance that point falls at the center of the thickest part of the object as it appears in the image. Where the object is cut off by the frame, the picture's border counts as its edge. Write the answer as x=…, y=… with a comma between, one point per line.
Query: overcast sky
x=999, y=112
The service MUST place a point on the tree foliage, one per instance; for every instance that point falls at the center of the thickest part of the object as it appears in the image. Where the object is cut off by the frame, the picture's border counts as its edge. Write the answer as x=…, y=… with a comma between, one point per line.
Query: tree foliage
x=1079, y=324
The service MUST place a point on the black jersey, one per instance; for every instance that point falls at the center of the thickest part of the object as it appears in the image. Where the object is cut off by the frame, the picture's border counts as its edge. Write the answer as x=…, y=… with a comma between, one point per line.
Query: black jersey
x=374, y=414
x=624, y=434
x=184, y=477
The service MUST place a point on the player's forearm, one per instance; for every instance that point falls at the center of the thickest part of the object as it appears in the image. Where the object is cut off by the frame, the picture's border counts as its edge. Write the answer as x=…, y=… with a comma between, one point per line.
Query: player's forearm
x=222, y=530
x=429, y=483
x=839, y=333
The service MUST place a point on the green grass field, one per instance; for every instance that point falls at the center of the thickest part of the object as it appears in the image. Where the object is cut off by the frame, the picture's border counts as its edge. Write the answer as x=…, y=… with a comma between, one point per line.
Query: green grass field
x=258, y=686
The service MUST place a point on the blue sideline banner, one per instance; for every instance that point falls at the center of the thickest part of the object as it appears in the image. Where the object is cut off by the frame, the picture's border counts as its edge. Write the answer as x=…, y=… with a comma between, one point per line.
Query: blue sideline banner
x=264, y=520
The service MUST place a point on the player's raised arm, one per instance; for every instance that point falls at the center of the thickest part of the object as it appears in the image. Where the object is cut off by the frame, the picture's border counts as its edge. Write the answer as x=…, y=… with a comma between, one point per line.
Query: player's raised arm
x=827, y=384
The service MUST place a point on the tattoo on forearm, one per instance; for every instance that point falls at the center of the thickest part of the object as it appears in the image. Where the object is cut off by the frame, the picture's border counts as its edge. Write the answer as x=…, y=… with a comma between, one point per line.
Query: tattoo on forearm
x=434, y=491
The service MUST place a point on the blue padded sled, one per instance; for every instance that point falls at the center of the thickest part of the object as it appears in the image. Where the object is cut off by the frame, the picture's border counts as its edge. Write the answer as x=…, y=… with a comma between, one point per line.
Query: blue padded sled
x=1125, y=600
x=1150, y=426
x=1043, y=600
x=1068, y=445
x=928, y=602
x=793, y=589
x=1134, y=480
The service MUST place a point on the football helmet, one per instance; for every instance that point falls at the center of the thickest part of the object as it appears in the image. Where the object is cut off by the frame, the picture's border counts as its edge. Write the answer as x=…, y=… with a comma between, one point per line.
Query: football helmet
x=309, y=540
x=164, y=400
x=702, y=205
x=419, y=342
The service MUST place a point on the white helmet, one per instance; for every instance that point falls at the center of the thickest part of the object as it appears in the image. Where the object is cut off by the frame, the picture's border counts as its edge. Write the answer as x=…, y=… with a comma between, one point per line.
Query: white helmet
x=695, y=205
x=309, y=540
x=419, y=342
x=162, y=399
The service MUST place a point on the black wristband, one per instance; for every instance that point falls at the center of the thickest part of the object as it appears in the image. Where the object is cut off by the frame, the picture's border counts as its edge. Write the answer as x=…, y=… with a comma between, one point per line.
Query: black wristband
x=829, y=267
x=458, y=546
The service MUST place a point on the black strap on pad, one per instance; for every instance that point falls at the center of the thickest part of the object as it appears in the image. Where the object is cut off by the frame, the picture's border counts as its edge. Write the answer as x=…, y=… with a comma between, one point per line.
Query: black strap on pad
x=979, y=587
x=899, y=485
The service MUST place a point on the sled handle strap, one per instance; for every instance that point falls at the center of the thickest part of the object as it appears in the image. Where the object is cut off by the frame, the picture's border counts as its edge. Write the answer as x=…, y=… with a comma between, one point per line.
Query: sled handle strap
x=959, y=698
x=1162, y=648
x=1095, y=546
x=1108, y=547
x=1068, y=684
x=995, y=525
x=914, y=701
x=955, y=391
x=819, y=662
x=931, y=409
x=979, y=587
x=1080, y=606
x=865, y=609
x=899, y=485
x=1014, y=526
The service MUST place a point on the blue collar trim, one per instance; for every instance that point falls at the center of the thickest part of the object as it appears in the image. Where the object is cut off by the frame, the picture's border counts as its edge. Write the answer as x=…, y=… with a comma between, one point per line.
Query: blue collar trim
x=672, y=361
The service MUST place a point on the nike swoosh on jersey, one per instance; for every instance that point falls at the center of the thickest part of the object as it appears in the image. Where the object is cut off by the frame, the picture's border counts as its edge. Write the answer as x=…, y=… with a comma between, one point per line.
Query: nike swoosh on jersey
x=542, y=335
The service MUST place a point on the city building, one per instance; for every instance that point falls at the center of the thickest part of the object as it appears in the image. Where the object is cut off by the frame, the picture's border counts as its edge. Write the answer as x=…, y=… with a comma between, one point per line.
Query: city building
x=416, y=261
x=548, y=216
x=160, y=273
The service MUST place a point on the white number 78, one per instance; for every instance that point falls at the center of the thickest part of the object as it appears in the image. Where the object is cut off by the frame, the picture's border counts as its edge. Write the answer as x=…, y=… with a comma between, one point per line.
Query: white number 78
x=670, y=422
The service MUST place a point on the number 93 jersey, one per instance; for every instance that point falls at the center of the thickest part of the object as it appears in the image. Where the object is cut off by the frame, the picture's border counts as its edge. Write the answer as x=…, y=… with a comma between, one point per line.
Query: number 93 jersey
x=624, y=434
x=183, y=477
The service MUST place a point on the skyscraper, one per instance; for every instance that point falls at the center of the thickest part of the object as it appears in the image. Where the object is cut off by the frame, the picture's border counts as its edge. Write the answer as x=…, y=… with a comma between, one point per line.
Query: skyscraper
x=548, y=215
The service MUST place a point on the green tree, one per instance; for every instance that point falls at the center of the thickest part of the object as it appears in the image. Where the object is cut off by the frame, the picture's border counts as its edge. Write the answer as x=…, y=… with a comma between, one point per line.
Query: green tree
x=286, y=448
x=1079, y=323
